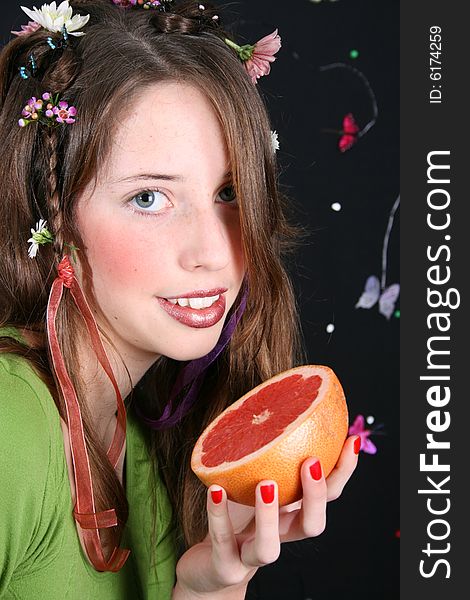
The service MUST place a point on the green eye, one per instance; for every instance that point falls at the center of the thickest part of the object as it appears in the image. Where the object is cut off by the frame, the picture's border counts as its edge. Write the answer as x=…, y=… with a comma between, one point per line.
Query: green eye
x=145, y=200
x=150, y=201
x=227, y=194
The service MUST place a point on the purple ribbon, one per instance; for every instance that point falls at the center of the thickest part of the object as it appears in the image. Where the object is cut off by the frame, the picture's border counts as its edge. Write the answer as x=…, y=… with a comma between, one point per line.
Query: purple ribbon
x=193, y=373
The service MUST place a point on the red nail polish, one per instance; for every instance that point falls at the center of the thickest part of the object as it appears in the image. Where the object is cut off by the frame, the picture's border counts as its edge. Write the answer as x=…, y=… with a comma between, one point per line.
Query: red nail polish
x=216, y=496
x=357, y=445
x=267, y=493
x=315, y=470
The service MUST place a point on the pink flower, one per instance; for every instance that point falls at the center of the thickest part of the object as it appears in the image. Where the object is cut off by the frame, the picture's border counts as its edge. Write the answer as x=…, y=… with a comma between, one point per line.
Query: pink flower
x=64, y=114
x=47, y=113
x=257, y=57
x=262, y=56
x=27, y=29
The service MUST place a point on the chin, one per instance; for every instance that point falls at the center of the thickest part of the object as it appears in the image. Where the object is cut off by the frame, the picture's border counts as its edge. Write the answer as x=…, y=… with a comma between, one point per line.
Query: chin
x=192, y=347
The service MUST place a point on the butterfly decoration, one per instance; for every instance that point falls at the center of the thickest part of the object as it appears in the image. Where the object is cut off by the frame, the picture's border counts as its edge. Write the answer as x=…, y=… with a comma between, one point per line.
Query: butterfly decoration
x=62, y=43
x=387, y=297
x=30, y=70
x=349, y=133
x=358, y=428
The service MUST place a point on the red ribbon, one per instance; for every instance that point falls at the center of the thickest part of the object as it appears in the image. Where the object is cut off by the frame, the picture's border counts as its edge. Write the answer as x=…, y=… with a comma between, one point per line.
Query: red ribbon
x=84, y=512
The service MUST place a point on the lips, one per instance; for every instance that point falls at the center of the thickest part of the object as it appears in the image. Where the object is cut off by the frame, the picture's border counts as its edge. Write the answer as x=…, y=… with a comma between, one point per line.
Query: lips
x=198, y=318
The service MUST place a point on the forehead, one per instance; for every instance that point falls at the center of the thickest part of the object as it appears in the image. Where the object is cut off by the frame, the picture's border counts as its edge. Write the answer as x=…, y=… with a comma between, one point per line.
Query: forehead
x=172, y=126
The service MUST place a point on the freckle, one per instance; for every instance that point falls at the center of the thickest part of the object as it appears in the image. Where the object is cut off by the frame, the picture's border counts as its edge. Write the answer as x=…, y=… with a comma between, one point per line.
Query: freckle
x=116, y=318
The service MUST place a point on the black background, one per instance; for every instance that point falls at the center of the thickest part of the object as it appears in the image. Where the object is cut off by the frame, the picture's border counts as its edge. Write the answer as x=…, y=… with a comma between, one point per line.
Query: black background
x=357, y=557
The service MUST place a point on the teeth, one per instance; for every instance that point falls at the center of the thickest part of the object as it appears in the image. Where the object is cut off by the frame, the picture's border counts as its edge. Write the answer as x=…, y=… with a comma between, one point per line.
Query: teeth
x=196, y=303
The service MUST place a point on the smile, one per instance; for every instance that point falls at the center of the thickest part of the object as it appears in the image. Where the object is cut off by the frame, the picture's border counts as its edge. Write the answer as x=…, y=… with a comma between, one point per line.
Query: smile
x=196, y=303
x=196, y=309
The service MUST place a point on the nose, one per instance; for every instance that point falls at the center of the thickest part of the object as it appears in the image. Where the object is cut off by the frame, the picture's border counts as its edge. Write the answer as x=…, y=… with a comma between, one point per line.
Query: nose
x=206, y=240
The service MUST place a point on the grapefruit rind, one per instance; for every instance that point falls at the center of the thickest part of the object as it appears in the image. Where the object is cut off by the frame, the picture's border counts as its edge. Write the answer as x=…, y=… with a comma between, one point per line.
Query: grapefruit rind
x=318, y=432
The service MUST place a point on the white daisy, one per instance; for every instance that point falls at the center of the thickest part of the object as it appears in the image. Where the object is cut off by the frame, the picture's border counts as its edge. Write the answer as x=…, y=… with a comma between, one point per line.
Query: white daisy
x=40, y=235
x=53, y=17
x=275, y=141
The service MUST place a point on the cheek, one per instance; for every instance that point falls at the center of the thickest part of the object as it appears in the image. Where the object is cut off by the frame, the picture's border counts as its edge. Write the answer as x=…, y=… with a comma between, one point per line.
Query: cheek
x=237, y=245
x=120, y=257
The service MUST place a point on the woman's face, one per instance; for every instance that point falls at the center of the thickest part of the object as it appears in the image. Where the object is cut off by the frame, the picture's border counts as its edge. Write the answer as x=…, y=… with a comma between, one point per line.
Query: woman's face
x=161, y=229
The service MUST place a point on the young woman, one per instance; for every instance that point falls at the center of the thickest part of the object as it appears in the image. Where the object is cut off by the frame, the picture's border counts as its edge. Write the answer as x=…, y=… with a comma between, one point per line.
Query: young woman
x=139, y=145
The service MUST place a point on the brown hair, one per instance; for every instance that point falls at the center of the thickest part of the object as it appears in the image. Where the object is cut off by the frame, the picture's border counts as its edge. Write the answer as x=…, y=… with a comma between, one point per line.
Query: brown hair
x=43, y=173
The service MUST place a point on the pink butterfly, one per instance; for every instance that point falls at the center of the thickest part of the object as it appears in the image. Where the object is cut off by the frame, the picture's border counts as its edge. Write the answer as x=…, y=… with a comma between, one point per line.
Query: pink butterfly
x=387, y=298
x=357, y=428
x=349, y=133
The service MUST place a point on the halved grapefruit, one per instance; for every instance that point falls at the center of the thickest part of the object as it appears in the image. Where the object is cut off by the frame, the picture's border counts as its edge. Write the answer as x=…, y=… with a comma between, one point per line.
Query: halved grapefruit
x=270, y=431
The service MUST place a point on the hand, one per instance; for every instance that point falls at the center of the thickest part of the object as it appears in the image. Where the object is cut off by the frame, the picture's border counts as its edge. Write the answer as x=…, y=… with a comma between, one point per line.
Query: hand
x=227, y=560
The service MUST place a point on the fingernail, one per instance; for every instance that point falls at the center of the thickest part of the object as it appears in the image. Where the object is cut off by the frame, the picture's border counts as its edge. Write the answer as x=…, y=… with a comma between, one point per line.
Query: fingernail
x=357, y=444
x=216, y=496
x=267, y=493
x=315, y=470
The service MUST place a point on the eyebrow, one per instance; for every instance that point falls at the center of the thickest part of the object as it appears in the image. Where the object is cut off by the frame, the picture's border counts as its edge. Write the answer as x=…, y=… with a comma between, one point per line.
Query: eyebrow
x=160, y=176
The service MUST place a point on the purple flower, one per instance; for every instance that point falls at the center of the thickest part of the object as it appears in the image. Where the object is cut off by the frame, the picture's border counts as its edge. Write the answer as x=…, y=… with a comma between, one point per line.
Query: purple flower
x=46, y=112
x=142, y=3
x=64, y=114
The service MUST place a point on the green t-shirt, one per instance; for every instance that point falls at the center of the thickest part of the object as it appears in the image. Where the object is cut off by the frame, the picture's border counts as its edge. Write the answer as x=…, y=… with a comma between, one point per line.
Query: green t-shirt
x=40, y=552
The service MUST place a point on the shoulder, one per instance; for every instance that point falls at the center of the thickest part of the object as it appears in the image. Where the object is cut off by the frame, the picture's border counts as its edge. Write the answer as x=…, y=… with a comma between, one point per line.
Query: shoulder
x=27, y=460
x=28, y=419
x=27, y=410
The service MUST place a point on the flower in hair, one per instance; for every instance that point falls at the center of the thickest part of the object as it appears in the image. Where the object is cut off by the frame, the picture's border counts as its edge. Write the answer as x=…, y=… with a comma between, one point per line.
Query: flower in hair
x=54, y=18
x=274, y=140
x=47, y=111
x=142, y=3
x=64, y=113
x=40, y=236
x=257, y=57
x=27, y=29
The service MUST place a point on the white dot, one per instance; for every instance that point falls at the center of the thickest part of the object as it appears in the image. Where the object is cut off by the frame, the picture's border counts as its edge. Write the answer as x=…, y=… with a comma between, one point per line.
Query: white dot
x=447, y=237
x=330, y=328
x=336, y=206
x=370, y=419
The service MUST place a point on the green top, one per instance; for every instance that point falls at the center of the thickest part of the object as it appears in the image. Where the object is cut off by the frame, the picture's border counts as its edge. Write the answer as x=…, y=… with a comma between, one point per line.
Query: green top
x=40, y=552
